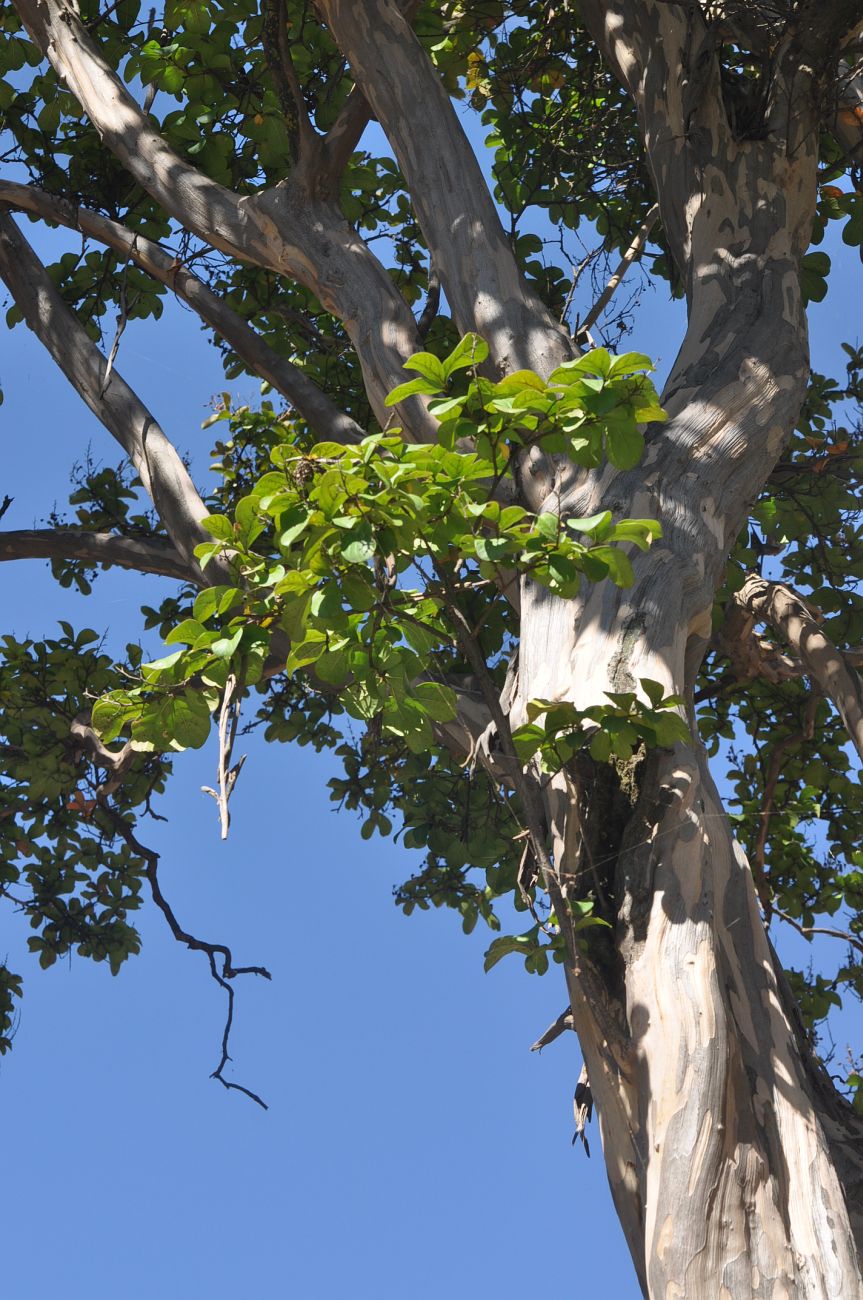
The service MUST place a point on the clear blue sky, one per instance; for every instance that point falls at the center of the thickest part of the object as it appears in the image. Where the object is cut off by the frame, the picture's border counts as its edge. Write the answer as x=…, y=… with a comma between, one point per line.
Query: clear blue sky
x=414, y=1147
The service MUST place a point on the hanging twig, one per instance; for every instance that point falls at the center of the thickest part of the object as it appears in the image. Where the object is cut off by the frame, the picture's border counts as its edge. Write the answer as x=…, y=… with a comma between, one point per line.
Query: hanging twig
x=214, y=951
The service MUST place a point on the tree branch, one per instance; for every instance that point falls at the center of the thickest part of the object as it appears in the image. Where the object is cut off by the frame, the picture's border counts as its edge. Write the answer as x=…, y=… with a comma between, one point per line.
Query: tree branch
x=344, y=135
x=320, y=413
x=287, y=229
x=162, y=472
x=789, y=615
x=634, y=251
x=207, y=208
x=274, y=38
x=478, y=270
x=146, y=556
x=214, y=951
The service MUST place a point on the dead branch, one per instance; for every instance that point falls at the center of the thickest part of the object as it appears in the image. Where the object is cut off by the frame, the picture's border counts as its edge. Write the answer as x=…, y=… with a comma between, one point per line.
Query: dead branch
x=556, y=1028
x=215, y=952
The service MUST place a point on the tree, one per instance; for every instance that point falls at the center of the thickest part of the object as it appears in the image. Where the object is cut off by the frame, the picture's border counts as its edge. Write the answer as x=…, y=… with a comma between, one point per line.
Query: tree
x=535, y=585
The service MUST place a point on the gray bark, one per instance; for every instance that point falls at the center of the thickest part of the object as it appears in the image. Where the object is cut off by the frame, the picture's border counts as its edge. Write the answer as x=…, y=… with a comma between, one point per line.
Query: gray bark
x=321, y=414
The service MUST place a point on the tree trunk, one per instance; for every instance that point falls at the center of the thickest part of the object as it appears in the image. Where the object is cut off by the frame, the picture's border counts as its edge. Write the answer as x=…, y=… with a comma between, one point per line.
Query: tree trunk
x=722, y=1158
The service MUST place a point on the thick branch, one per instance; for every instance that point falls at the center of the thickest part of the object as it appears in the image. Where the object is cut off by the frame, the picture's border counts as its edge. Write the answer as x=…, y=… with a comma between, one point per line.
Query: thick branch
x=321, y=414
x=207, y=208
x=162, y=472
x=146, y=556
x=790, y=616
x=478, y=270
x=344, y=135
x=285, y=229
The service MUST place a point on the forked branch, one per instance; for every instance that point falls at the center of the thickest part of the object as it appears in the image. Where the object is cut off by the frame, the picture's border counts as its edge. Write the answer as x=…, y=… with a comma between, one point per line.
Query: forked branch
x=320, y=413
x=157, y=463
x=219, y=956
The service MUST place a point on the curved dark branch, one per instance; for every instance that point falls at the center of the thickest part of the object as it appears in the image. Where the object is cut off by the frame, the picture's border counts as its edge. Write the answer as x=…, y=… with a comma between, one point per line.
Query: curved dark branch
x=216, y=952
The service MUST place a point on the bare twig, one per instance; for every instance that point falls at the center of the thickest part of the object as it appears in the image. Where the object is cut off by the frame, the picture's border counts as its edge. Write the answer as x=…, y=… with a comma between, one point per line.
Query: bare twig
x=807, y=930
x=634, y=250
x=215, y=952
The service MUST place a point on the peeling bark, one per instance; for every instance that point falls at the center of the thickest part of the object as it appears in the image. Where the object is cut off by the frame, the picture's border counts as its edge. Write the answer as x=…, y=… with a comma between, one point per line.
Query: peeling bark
x=795, y=622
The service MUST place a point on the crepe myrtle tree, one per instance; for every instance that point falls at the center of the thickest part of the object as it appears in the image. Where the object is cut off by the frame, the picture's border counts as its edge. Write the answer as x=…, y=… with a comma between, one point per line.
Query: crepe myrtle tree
x=541, y=595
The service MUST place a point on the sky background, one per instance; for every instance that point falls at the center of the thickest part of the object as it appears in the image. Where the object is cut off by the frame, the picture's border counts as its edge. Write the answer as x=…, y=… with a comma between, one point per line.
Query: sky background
x=414, y=1147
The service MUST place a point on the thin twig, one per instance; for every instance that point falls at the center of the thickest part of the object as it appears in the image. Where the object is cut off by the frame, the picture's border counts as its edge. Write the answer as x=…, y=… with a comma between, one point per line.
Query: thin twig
x=806, y=930
x=213, y=950
x=635, y=249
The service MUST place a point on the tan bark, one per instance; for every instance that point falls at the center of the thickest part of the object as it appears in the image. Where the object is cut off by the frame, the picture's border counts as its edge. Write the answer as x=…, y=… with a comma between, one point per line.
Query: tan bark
x=790, y=616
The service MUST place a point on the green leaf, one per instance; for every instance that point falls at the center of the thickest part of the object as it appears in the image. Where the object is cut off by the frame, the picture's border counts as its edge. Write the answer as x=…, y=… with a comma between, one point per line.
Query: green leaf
x=407, y=390
x=509, y=943
x=624, y=445
x=437, y=701
x=653, y=690
x=598, y=526
x=527, y=739
x=617, y=562
x=429, y=367
x=359, y=550
x=186, y=633
x=112, y=711
x=628, y=363
x=219, y=527
x=643, y=532
x=469, y=351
